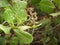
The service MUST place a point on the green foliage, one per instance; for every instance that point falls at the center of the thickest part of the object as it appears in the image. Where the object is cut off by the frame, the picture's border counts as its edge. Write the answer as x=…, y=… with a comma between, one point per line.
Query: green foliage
x=1, y=20
x=5, y=29
x=35, y=1
x=45, y=40
x=46, y=6
x=56, y=17
x=2, y=40
x=19, y=11
x=57, y=20
x=57, y=2
x=7, y=15
x=4, y=3
x=14, y=41
x=21, y=17
x=15, y=14
x=24, y=37
x=54, y=41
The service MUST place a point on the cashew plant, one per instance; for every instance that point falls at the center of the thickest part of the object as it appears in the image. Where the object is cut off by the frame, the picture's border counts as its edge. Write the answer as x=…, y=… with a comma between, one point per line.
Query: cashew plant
x=12, y=17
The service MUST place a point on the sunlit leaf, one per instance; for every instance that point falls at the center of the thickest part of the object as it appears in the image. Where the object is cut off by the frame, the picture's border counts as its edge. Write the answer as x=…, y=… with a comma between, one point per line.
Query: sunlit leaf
x=22, y=16
x=5, y=29
x=24, y=27
x=20, y=5
x=8, y=15
x=19, y=11
x=55, y=14
x=24, y=37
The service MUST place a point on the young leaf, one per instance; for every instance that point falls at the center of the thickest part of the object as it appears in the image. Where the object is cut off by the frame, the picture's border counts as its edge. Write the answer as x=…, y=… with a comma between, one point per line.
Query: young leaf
x=5, y=29
x=8, y=15
x=24, y=37
x=46, y=6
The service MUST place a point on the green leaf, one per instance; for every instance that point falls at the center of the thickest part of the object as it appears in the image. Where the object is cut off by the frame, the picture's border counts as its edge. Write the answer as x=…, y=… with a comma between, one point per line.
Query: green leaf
x=5, y=29
x=46, y=6
x=21, y=16
x=19, y=11
x=8, y=15
x=35, y=1
x=4, y=3
x=14, y=41
x=24, y=27
x=20, y=5
x=57, y=2
x=24, y=37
